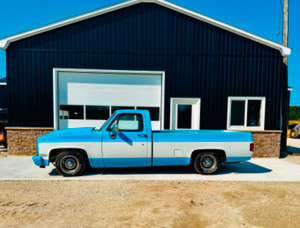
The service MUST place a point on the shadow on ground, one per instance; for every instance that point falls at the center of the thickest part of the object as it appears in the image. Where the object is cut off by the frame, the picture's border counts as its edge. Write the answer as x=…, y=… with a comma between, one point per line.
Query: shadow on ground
x=293, y=150
x=245, y=167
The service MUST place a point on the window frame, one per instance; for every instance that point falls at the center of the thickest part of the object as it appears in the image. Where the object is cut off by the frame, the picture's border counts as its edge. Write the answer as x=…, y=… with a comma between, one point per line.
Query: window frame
x=245, y=127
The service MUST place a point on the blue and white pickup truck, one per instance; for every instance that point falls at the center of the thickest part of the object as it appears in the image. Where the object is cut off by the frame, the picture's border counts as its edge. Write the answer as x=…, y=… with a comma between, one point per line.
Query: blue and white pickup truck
x=126, y=140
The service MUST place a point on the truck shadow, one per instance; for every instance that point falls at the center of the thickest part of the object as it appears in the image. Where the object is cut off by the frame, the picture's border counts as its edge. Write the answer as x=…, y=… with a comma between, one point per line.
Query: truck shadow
x=237, y=168
x=243, y=168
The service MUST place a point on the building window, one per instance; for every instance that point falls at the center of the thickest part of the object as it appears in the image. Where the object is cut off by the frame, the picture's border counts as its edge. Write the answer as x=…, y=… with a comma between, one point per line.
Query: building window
x=246, y=113
x=154, y=112
x=115, y=108
x=97, y=112
x=127, y=122
x=71, y=112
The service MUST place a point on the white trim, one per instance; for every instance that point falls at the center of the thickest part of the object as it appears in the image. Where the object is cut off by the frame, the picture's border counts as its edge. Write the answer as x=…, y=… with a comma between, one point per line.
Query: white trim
x=4, y=43
x=246, y=99
x=196, y=110
x=3, y=83
x=290, y=89
x=56, y=71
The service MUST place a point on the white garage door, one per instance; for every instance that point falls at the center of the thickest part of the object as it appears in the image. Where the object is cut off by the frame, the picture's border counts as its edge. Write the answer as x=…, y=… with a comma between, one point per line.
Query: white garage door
x=87, y=98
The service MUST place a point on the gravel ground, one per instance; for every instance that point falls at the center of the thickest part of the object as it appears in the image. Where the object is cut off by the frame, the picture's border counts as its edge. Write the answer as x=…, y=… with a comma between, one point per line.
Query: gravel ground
x=148, y=204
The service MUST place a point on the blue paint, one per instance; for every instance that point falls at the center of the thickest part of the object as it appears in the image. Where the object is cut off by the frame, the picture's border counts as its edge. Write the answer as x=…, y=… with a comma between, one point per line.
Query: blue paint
x=83, y=134
x=119, y=162
x=137, y=162
x=237, y=159
x=167, y=161
x=201, y=136
x=96, y=162
x=39, y=161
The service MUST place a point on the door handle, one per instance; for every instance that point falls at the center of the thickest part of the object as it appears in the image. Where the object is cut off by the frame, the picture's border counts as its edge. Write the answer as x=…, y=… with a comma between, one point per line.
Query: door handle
x=143, y=135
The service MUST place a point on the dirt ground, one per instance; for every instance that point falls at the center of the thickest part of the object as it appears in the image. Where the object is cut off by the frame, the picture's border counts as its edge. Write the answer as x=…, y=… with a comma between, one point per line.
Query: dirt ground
x=148, y=204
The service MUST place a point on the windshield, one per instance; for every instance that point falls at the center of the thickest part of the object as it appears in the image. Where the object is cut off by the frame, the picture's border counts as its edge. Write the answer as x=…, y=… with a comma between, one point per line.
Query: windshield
x=105, y=123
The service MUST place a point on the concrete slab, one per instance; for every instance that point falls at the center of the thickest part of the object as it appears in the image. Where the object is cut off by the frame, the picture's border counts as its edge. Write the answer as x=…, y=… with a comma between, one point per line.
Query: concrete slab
x=258, y=169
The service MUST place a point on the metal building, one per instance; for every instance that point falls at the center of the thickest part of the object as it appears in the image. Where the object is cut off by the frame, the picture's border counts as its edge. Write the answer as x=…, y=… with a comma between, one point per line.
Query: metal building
x=188, y=70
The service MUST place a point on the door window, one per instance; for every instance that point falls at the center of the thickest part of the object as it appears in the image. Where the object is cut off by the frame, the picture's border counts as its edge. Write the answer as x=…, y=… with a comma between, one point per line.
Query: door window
x=184, y=116
x=128, y=122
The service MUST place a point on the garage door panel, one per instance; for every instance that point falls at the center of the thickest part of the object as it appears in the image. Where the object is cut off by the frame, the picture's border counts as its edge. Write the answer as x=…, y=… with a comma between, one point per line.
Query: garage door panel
x=106, y=94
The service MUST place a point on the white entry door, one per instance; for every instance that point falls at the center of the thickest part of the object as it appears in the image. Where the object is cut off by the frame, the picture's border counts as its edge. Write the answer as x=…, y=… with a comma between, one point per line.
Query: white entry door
x=185, y=113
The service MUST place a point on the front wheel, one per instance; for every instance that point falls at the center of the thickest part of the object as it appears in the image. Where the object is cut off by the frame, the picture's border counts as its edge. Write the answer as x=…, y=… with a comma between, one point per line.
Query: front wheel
x=70, y=164
x=207, y=163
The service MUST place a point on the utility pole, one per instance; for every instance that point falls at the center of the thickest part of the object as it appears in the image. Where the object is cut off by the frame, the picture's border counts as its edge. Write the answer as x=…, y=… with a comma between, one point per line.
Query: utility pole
x=285, y=29
x=285, y=102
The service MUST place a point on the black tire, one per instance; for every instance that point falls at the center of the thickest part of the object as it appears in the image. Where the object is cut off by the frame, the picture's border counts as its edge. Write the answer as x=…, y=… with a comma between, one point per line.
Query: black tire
x=70, y=164
x=207, y=163
x=294, y=134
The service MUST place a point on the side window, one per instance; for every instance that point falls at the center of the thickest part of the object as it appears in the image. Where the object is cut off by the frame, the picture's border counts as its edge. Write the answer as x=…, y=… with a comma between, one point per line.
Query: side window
x=128, y=122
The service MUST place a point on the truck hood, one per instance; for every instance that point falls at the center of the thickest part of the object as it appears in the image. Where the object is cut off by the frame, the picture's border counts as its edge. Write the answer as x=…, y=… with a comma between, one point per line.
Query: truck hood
x=83, y=134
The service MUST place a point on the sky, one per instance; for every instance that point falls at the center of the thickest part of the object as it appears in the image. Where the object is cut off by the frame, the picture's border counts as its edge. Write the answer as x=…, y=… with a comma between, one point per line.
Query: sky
x=260, y=17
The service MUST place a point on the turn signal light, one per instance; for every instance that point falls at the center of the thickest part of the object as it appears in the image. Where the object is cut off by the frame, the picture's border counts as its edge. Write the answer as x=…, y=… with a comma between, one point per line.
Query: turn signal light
x=251, y=146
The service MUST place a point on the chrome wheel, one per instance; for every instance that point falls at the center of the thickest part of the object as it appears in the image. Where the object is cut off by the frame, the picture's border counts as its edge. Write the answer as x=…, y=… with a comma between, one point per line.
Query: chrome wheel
x=207, y=163
x=70, y=164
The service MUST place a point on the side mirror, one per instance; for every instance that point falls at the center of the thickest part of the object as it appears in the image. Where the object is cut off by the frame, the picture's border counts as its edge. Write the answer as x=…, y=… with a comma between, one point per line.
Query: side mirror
x=114, y=131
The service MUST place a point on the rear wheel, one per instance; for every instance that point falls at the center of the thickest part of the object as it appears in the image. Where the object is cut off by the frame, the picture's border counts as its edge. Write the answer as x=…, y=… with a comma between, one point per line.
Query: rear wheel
x=70, y=164
x=294, y=133
x=207, y=163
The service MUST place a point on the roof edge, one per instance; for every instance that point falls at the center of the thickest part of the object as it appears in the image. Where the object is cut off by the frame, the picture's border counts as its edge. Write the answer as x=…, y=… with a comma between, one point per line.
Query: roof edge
x=4, y=43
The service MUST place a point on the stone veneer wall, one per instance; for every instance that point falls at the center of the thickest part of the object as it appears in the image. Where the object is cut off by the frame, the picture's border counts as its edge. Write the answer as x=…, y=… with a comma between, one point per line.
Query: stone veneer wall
x=266, y=143
x=22, y=140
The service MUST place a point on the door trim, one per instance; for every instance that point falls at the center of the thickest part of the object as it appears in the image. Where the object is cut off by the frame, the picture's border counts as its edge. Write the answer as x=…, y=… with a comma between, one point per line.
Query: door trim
x=196, y=109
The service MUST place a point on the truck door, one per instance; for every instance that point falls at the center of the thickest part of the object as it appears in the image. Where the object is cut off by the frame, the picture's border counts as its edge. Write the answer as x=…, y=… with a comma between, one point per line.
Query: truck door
x=125, y=142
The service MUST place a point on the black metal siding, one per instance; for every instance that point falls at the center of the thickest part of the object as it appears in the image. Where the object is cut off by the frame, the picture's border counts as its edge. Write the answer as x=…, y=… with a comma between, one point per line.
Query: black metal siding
x=3, y=96
x=200, y=60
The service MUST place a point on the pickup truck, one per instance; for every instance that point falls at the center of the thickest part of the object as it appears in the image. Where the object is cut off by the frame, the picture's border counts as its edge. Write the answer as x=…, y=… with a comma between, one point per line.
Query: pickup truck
x=127, y=140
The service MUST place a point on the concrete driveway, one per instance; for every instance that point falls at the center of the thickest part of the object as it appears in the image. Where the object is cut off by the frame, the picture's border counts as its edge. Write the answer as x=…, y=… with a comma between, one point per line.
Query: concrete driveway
x=258, y=169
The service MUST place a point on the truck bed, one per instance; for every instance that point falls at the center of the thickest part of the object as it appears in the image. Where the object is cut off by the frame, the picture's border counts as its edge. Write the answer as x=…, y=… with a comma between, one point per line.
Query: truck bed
x=176, y=147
